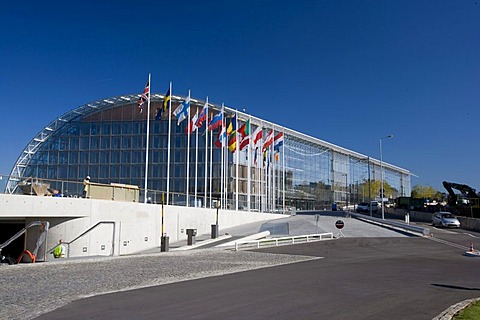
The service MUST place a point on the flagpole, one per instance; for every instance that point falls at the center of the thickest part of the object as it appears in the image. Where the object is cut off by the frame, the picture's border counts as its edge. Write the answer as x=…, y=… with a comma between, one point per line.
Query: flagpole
x=206, y=152
x=188, y=151
x=211, y=165
x=273, y=171
x=147, y=142
x=237, y=147
x=283, y=171
x=257, y=183
x=168, y=147
x=264, y=178
x=249, y=167
x=196, y=157
x=222, y=170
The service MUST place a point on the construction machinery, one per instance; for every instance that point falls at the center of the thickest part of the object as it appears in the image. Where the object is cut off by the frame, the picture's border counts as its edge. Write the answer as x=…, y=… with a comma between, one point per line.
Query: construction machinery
x=468, y=204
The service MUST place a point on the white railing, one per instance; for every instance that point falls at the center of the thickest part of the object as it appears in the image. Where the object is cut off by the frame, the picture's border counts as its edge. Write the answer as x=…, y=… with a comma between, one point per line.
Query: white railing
x=269, y=242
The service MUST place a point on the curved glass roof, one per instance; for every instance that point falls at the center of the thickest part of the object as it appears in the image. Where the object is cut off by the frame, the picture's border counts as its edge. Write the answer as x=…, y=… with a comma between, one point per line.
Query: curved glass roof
x=92, y=139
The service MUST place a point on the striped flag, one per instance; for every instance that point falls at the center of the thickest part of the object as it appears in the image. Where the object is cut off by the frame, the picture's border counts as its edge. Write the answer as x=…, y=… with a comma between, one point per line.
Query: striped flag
x=216, y=121
x=278, y=141
x=202, y=117
x=257, y=135
x=192, y=126
x=268, y=141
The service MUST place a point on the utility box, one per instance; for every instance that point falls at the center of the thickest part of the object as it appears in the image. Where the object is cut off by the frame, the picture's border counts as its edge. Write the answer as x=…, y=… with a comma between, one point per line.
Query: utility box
x=191, y=234
x=214, y=234
x=113, y=191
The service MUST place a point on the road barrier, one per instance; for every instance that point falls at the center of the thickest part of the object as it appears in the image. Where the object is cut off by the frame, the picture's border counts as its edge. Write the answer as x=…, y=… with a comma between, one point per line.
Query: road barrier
x=393, y=224
x=270, y=242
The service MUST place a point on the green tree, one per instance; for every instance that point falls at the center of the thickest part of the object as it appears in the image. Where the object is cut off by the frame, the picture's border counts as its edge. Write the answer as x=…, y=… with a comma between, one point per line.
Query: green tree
x=375, y=186
x=425, y=192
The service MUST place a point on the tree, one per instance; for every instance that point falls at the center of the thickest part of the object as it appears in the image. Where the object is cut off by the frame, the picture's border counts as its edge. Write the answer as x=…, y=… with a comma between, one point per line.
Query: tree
x=425, y=192
x=375, y=189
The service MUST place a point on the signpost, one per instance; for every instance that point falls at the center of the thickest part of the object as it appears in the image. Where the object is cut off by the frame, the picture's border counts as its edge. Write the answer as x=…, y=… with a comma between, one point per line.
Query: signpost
x=339, y=224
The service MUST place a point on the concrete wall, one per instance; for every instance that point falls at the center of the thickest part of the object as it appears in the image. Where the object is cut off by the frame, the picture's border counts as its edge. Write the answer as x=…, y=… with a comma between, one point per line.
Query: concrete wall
x=465, y=222
x=124, y=228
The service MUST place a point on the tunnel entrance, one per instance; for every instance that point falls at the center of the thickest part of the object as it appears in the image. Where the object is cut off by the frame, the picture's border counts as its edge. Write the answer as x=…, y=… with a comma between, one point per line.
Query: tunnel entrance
x=8, y=228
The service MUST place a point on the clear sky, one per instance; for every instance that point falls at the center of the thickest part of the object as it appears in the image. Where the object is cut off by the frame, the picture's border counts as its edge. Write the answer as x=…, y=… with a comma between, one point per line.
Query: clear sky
x=347, y=72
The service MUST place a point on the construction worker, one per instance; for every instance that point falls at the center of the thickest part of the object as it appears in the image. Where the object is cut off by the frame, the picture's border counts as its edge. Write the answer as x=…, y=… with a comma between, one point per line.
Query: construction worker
x=59, y=251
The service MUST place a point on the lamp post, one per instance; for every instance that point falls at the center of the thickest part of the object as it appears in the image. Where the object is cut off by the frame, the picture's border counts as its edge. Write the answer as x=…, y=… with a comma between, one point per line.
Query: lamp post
x=381, y=172
x=346, y=189
x=369, y=188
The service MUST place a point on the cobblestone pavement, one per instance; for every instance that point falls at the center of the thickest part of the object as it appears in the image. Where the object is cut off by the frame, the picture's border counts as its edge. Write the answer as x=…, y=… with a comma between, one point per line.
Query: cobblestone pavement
x=28, y=290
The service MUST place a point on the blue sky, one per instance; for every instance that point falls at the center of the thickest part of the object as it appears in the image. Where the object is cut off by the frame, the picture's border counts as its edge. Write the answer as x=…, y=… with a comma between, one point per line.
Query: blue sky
x=347, y=72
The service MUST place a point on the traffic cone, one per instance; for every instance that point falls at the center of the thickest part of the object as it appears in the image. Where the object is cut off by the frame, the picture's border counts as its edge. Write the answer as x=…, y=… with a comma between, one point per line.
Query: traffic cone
x=471, y=247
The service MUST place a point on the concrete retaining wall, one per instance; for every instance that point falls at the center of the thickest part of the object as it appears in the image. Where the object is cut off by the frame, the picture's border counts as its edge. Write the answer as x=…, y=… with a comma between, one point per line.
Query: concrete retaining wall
x=124, y=228
x=465, y=222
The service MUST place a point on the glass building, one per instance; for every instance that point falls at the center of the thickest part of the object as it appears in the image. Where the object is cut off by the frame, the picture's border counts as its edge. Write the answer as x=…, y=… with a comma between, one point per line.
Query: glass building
x=107, y=140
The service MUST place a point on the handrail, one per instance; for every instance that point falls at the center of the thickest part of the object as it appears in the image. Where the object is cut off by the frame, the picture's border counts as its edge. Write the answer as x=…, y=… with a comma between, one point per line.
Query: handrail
x=87, y=231
x=285, y=240
x=19, y=233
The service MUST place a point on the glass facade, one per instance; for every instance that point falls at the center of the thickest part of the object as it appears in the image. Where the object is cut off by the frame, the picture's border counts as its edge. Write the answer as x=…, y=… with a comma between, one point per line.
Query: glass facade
x=106, y=140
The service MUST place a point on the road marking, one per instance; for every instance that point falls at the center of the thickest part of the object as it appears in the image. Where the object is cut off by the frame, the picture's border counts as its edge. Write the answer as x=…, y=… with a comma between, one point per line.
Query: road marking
x=445, y=231
x=470, y=235
x=448, y=243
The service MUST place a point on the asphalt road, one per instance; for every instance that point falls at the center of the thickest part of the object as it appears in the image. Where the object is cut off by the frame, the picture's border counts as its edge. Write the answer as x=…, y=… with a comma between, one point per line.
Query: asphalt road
x=354, y=278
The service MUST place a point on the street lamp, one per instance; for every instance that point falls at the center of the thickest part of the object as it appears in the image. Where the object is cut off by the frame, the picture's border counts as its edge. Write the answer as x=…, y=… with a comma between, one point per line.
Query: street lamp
x=369, y=188
x=381, y=172
x=346, y=189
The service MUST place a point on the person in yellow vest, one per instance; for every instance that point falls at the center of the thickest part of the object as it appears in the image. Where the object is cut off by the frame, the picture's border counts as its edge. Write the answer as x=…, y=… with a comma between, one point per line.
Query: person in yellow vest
x=59, y=251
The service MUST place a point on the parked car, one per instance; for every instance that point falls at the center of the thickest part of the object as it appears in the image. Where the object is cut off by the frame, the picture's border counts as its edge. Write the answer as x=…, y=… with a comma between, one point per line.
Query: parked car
x=365, y=207
x=445, y=220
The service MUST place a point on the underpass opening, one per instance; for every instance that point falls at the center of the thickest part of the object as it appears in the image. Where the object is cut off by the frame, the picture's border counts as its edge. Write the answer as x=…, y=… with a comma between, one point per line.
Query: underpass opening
x=8, y=228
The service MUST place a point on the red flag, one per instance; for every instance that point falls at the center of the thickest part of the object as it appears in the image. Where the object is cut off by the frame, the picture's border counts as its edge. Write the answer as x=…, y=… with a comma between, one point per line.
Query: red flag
x=268, y=141
x=245, y=142
x=257, y=135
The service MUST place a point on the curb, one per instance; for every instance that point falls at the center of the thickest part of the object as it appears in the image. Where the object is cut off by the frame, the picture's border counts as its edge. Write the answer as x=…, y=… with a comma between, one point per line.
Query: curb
x=202, y=243
x=451, y=311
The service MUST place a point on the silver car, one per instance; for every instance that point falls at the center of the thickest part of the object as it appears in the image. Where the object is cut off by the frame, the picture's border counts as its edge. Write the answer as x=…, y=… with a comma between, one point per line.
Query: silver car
x=445, y=220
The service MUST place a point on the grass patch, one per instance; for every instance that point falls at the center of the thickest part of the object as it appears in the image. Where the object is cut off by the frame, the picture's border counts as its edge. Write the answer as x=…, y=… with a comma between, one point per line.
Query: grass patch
x=472, y=312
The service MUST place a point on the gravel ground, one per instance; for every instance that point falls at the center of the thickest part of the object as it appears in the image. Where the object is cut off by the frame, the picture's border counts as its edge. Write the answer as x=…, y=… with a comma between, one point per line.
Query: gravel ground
x=29, y=290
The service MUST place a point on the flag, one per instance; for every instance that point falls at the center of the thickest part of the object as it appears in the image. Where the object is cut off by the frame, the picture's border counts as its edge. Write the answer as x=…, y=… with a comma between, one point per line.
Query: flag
x=232, y=142
x=202, y=117
x=144, y=96
x=277, y=155
x=268, y=141
x=167, y=98
x=222, y=137
x=192, y=125
x=245, y=142
x=232, y=134
x=245, y=129
x=165, y=105
x=255, y=158
x=257, y=135
x=216, y=121
x=182, y=110
x=278, y=141
x=232, y=126
x=158, y=116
